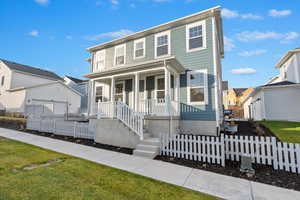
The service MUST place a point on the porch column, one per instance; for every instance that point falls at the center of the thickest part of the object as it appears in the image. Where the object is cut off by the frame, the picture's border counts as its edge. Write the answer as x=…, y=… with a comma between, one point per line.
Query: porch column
x=177, y=91
x=92, y=98
x=136, y=92
x=112, y=89
x=167, y=90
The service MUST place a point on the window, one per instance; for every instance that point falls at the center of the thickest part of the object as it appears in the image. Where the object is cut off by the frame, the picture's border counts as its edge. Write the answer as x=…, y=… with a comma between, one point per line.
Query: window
x=100, y=60
x=159, y=87
x=162, y=44
x=119, y=91
x=120, y=53
x=2, y=81
x=195, y=36
x=99, y=93
x=139, y=48
x=197, y=87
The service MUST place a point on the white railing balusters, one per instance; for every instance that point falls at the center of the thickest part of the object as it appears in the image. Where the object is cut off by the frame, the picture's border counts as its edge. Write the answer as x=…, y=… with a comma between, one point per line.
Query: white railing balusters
x=159, y=107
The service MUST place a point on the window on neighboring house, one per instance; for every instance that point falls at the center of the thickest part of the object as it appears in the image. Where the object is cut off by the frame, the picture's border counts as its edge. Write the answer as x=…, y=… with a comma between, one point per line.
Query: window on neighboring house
x=100, y=60
x=197, y=87
x=120, y=53
x=139, y=48
x=162, y=44
x=99, y=93
x=2, y=80
x=195, y=36
x=159, y=88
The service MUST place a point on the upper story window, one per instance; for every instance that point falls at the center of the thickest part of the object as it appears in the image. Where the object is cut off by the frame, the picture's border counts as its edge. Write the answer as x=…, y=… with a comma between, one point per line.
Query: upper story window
x=195, y=36
x=100, y=60
x=162, y=44
x=197, y=87
x=2, y=80
x=120, y=54
x=139, y=48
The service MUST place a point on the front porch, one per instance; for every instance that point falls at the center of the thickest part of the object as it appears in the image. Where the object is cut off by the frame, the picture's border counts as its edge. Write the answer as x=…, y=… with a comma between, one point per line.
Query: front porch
x=151, y=91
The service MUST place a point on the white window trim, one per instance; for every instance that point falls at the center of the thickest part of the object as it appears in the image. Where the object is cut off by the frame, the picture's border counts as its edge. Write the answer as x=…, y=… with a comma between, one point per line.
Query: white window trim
x=155, y=85
x=205, y=102
x=203, y=24
x=124, y=92
x=116, y=47
x=168, y=33
x=96, y=62
x=134, y=48
x=102, y=92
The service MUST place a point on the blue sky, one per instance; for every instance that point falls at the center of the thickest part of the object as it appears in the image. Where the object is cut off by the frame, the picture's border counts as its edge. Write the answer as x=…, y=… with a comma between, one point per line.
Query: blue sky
x=53, y=34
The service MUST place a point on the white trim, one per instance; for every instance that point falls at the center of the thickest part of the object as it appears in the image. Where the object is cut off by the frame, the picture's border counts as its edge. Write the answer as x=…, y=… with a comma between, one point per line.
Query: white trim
x=144, y=48
x=124, y=93
x=97, y=54
x=116, y=47
x=168, y=33
x=205, y=102
x=188, y=26
x=155, y=85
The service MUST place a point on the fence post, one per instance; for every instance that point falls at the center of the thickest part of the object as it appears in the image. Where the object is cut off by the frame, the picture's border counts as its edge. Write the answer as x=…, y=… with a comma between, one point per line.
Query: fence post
x=274, y=152
x=222, y=150
x=75, y=124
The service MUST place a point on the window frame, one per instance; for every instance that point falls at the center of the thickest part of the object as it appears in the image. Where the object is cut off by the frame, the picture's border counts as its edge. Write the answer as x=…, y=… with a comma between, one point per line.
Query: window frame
x=102, y=95
x=168, y=33
x=96, y=69
x=123, y=92
x=205, y=87
x=144, y=48
x=156, y=86
x=115, y=55
x=188, y=26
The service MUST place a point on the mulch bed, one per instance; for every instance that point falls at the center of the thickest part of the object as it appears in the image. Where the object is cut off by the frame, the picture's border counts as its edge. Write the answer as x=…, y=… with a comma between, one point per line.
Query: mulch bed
x=263, y=173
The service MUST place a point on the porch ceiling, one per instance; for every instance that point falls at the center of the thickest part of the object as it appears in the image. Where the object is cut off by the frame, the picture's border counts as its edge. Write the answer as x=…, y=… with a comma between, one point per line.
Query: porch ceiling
x=171, y=62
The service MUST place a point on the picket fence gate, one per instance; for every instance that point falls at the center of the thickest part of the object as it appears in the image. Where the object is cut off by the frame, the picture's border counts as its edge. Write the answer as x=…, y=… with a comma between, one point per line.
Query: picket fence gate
x=263, y=150
x=60, y=127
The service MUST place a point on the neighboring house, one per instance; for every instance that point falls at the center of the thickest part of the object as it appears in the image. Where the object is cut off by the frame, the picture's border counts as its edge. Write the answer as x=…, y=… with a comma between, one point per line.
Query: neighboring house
x=233, y=99
x=279, y=99
x=168, y=75
x=81, y=86
x=22, y=84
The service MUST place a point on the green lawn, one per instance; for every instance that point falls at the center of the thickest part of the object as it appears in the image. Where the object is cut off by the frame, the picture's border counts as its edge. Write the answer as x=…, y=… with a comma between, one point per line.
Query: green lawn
x=75, y=179
x=285, y=131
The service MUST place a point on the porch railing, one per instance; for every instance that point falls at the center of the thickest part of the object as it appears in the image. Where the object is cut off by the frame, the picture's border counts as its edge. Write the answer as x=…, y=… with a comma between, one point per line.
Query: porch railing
x=106, y=109
x=159, y=107
x=133, y=120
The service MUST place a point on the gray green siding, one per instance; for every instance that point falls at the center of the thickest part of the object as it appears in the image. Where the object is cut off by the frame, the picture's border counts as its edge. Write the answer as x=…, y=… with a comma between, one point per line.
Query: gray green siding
x=202, y=59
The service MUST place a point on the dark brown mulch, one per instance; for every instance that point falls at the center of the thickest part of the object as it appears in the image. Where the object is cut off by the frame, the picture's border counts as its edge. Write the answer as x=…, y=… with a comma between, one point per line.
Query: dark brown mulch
x=263, y=173
x=249, y=128
x=86, y=142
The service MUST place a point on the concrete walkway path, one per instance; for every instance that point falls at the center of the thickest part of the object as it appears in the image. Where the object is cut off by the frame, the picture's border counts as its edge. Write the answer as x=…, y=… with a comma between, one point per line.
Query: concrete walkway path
x=207, y=182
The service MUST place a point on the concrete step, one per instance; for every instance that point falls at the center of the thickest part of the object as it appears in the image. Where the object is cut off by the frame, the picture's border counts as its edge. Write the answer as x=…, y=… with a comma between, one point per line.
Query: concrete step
x=144, y=154
x=147, y=135
x=151, y=141
x=147, y=148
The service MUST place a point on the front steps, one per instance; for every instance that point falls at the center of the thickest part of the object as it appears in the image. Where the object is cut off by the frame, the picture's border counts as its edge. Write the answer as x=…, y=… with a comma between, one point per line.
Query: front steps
x=147, y=148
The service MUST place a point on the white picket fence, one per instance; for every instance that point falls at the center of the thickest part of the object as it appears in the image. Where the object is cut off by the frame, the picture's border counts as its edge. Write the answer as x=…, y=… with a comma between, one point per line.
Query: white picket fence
x=199, y=148
x=263, y=150
x=60, y=127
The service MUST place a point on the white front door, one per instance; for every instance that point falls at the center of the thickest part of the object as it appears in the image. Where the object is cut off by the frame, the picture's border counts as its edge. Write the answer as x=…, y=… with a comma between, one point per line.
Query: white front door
x=120, y=94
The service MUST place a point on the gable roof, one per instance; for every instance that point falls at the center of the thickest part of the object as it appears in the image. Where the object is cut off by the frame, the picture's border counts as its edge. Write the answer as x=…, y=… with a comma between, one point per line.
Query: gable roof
x=279, y=84
x=239, y=91
x=76, y=80
x=286, y=57
x=31, y=70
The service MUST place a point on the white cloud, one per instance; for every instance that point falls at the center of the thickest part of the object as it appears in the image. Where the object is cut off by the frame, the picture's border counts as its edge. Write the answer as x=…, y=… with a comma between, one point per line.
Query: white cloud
x=34, y=33
x=115, y=2
x=243, y=71
x=69, y=37
x=132, y=5
x=252, y=53
x=109, y=35
x=226, y=13
x=248, y=36
x=279, y=13
x=228, y=44
x=160, y=1
x=229, y=14
x=42, y=2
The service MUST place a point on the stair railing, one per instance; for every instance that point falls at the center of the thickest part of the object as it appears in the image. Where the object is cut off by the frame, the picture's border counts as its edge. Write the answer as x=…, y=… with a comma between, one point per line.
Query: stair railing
x=133, y=120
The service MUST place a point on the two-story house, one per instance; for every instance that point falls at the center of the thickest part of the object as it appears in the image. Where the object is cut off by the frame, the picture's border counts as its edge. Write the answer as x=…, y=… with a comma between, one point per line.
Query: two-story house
x=279, y=98
x=169, y=74
x=22, y=85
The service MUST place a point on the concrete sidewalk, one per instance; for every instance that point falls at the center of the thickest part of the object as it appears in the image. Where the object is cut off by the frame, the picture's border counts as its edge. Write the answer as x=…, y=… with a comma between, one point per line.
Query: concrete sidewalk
x=207, y=182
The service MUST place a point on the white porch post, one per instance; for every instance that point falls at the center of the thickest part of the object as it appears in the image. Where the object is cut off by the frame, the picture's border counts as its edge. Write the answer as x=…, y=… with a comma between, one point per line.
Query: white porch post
x=167, y=89
x=177, y=91
x=92, y=98
x=136, y=92
x=112, y=96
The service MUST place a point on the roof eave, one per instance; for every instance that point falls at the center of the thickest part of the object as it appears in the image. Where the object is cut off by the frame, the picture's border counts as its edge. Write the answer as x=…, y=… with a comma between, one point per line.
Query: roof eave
x=286, y=57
